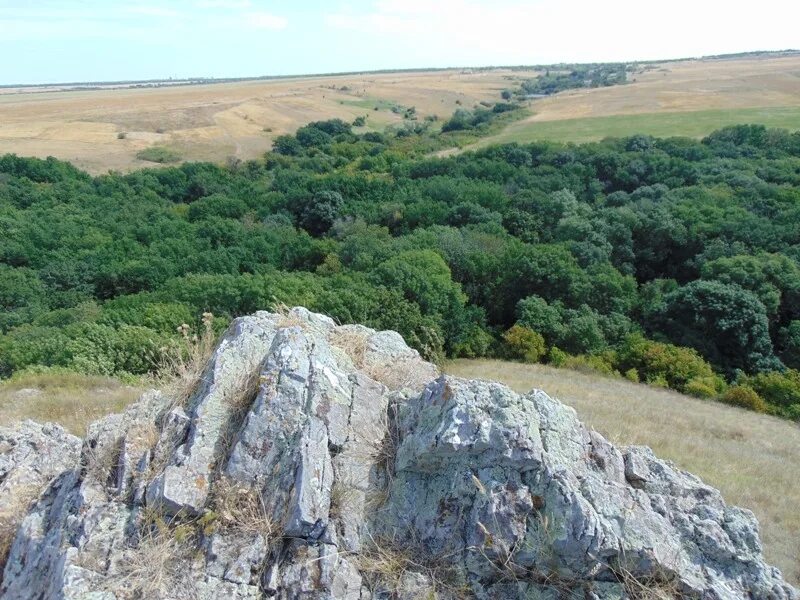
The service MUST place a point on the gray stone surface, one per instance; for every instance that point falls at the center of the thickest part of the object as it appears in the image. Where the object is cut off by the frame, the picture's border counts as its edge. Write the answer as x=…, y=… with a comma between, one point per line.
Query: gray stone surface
x=31, y=456
x=324, y=462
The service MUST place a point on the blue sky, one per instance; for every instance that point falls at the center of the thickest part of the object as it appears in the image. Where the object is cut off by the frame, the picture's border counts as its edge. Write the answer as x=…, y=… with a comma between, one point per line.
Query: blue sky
x=100, y=40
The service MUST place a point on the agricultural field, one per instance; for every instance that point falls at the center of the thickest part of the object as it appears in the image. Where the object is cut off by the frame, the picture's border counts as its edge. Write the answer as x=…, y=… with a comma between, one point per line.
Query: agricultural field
x=687, y=98
x=752, y=459
x=115, y=128
x=108, y=129
x=694, y=124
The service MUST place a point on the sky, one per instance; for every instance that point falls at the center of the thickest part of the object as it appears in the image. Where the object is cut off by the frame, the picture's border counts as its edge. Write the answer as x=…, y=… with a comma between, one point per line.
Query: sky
x=47, y=41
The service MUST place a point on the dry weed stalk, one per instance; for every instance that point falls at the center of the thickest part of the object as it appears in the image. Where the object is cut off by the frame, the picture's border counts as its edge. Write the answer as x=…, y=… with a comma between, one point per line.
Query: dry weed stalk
x=99, y=461
x=385, y=562
x=661, y=584
x=238, y=509
x=156, y=567
x=285, y=316
x=180, y=373
x=352, y=342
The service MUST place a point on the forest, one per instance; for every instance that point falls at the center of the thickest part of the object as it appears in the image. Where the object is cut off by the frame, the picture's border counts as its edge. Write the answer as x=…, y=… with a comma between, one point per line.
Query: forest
x=674, y=262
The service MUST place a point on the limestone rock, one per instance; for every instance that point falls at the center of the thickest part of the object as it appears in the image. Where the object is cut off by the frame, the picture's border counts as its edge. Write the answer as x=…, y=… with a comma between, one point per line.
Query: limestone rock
x=331, y=462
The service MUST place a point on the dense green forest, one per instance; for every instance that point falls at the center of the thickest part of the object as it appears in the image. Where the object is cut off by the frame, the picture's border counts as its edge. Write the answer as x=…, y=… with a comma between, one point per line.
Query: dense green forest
x=671, y=261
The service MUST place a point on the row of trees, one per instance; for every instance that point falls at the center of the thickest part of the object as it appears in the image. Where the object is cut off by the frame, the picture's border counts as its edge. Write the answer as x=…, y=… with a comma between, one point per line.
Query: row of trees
x=627, y=256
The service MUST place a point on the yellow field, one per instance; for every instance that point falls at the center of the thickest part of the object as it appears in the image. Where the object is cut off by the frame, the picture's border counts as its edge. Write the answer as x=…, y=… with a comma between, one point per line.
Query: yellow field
x=689, y=98
x=753, y=459
x=69, y=399
x=217, y=121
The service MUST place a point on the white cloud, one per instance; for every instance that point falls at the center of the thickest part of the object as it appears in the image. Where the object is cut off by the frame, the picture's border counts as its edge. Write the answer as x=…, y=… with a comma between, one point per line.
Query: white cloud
x=142, y=22
x=515, y=31
x=225, y=4
x=151, y=11
x=263, y=20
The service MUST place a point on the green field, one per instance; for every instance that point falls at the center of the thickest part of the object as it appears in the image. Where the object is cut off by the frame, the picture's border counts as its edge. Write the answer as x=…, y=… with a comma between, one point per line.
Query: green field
x=370, y=103
x=664, y=124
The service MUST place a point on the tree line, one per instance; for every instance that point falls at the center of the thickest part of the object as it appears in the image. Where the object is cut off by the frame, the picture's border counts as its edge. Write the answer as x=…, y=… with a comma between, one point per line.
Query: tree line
x=674, y=262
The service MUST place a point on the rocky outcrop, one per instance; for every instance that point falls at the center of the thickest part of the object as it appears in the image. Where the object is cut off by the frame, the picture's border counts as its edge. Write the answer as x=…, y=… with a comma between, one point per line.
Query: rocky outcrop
x=32, y=455
x=322, y=461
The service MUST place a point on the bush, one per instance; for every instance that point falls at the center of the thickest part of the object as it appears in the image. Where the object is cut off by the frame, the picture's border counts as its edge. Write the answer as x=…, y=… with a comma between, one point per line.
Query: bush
x=781, y=390
x=557, y=357
x=158, y=154
x=745, y=397
x=524, y=344
x=592, y=363
x=675, y=367
x=472, y=343
x=631, y=375
x=703, y=387
x=287, y=145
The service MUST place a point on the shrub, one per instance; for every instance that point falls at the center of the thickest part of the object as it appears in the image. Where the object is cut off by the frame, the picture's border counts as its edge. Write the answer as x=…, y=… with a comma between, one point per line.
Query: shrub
x=703, y=387
x=745, y=397
x=535, y=313
x=657, y=381
x=632, y=375
x=473, y=342
x=287, y=145
x=557, y=357
x=158, y=154
x=592, y=363
x=781, y=390
x=676, y=367
x=725, y=323
x=524, y=344
x=28, y=345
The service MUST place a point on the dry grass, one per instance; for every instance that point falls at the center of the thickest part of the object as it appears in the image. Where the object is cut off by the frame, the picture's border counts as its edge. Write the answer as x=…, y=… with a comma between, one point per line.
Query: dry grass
x=70, y=399
x=181, y=372
x=753, y=459
x=690, y=98
x=352, y=341
x=216, y=122
x=15, y=507
x=652, y=588
x=156, y=567
x=386, y=563
x=239, y=509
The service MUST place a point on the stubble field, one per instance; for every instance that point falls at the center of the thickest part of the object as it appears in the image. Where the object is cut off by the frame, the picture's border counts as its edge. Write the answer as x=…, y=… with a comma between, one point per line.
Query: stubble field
x=101, y=130
x=687, y=98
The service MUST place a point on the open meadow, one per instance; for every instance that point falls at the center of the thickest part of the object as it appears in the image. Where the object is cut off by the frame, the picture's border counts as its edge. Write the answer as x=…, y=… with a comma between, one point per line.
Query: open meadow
x=753, y=459
x=101, y=130
x=687, y=98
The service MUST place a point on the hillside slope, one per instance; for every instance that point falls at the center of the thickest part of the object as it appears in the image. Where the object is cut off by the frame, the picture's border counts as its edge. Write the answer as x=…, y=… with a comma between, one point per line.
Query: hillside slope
x=753, y=459
x=686, y=98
